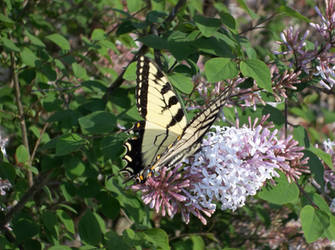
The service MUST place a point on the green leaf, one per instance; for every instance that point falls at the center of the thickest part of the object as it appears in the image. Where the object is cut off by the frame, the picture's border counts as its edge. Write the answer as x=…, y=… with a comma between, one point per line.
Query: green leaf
x=154, y=42
x=181, y=50
x=276, y=116
x=98, y=34
x=59, y=247
x=34, y=39
x=330, y=232
x=320, y=202
x=110, y=206
x=198, y=242
x=181, y=82
x=59, y=40
x=135, y=5
x=125, y=27
x=157, y=237
x=219, y=69
x=207, y=25
x=7, y=171
x=25, y=229
x=259, y=71
x=89, y=229
x=74, y=167
x=32, y=244
x=316, y=167
x=22, y=154
x=107, y=44
x=66, y=118
x=98, y=122
x=300, y=135
x=114, y=241
x=28, y=57
x=282, y=193
x=71, y=209
x=94, y=86
x=111, y=145
x=130, y=73
x=49, y=71
x=313, y=222
x=79, y=71
x=293, y=13
x=323, y=156
x=329, y=116
x=156, y=17
x=50, y=222
x=5, y=19
x=67, y=144
x=66, y=220
x=244, y=6
x=214, y=46
x=9, y=44
x=228, y=20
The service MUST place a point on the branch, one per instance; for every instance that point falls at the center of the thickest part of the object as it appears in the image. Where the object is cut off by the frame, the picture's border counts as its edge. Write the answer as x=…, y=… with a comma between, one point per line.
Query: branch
x=38, y=142
x=257, y=25
x=15, y=79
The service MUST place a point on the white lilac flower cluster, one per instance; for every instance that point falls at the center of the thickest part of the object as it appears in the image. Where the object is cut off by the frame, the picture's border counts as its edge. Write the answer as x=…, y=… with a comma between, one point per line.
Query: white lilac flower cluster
x=235, y=163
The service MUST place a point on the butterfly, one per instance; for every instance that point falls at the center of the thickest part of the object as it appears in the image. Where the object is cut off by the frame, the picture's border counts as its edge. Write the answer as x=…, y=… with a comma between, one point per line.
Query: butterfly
x=164, y=138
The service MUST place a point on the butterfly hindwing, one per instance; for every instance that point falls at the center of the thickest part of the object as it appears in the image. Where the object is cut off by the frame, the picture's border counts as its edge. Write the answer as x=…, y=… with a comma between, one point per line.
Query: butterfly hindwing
x=190, y=140
x=133, y=154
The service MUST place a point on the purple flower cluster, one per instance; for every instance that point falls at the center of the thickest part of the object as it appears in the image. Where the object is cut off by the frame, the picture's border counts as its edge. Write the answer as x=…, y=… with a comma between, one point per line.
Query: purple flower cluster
x=318, y=60
x=327, y=26
x=294, y=47
x=233, y=164
x=167, y=194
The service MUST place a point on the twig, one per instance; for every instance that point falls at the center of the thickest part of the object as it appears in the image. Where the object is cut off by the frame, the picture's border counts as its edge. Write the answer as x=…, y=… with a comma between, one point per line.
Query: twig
x=307, y=196
x=38, y=142
x=256, y=26
x=21, y=113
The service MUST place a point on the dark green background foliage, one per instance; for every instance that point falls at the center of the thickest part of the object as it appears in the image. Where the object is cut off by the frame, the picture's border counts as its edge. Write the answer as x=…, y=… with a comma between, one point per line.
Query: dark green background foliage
x=65, y=58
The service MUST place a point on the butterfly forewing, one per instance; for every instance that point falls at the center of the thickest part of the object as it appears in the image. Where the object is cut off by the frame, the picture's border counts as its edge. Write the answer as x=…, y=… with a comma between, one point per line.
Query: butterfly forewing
x=165, y=119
